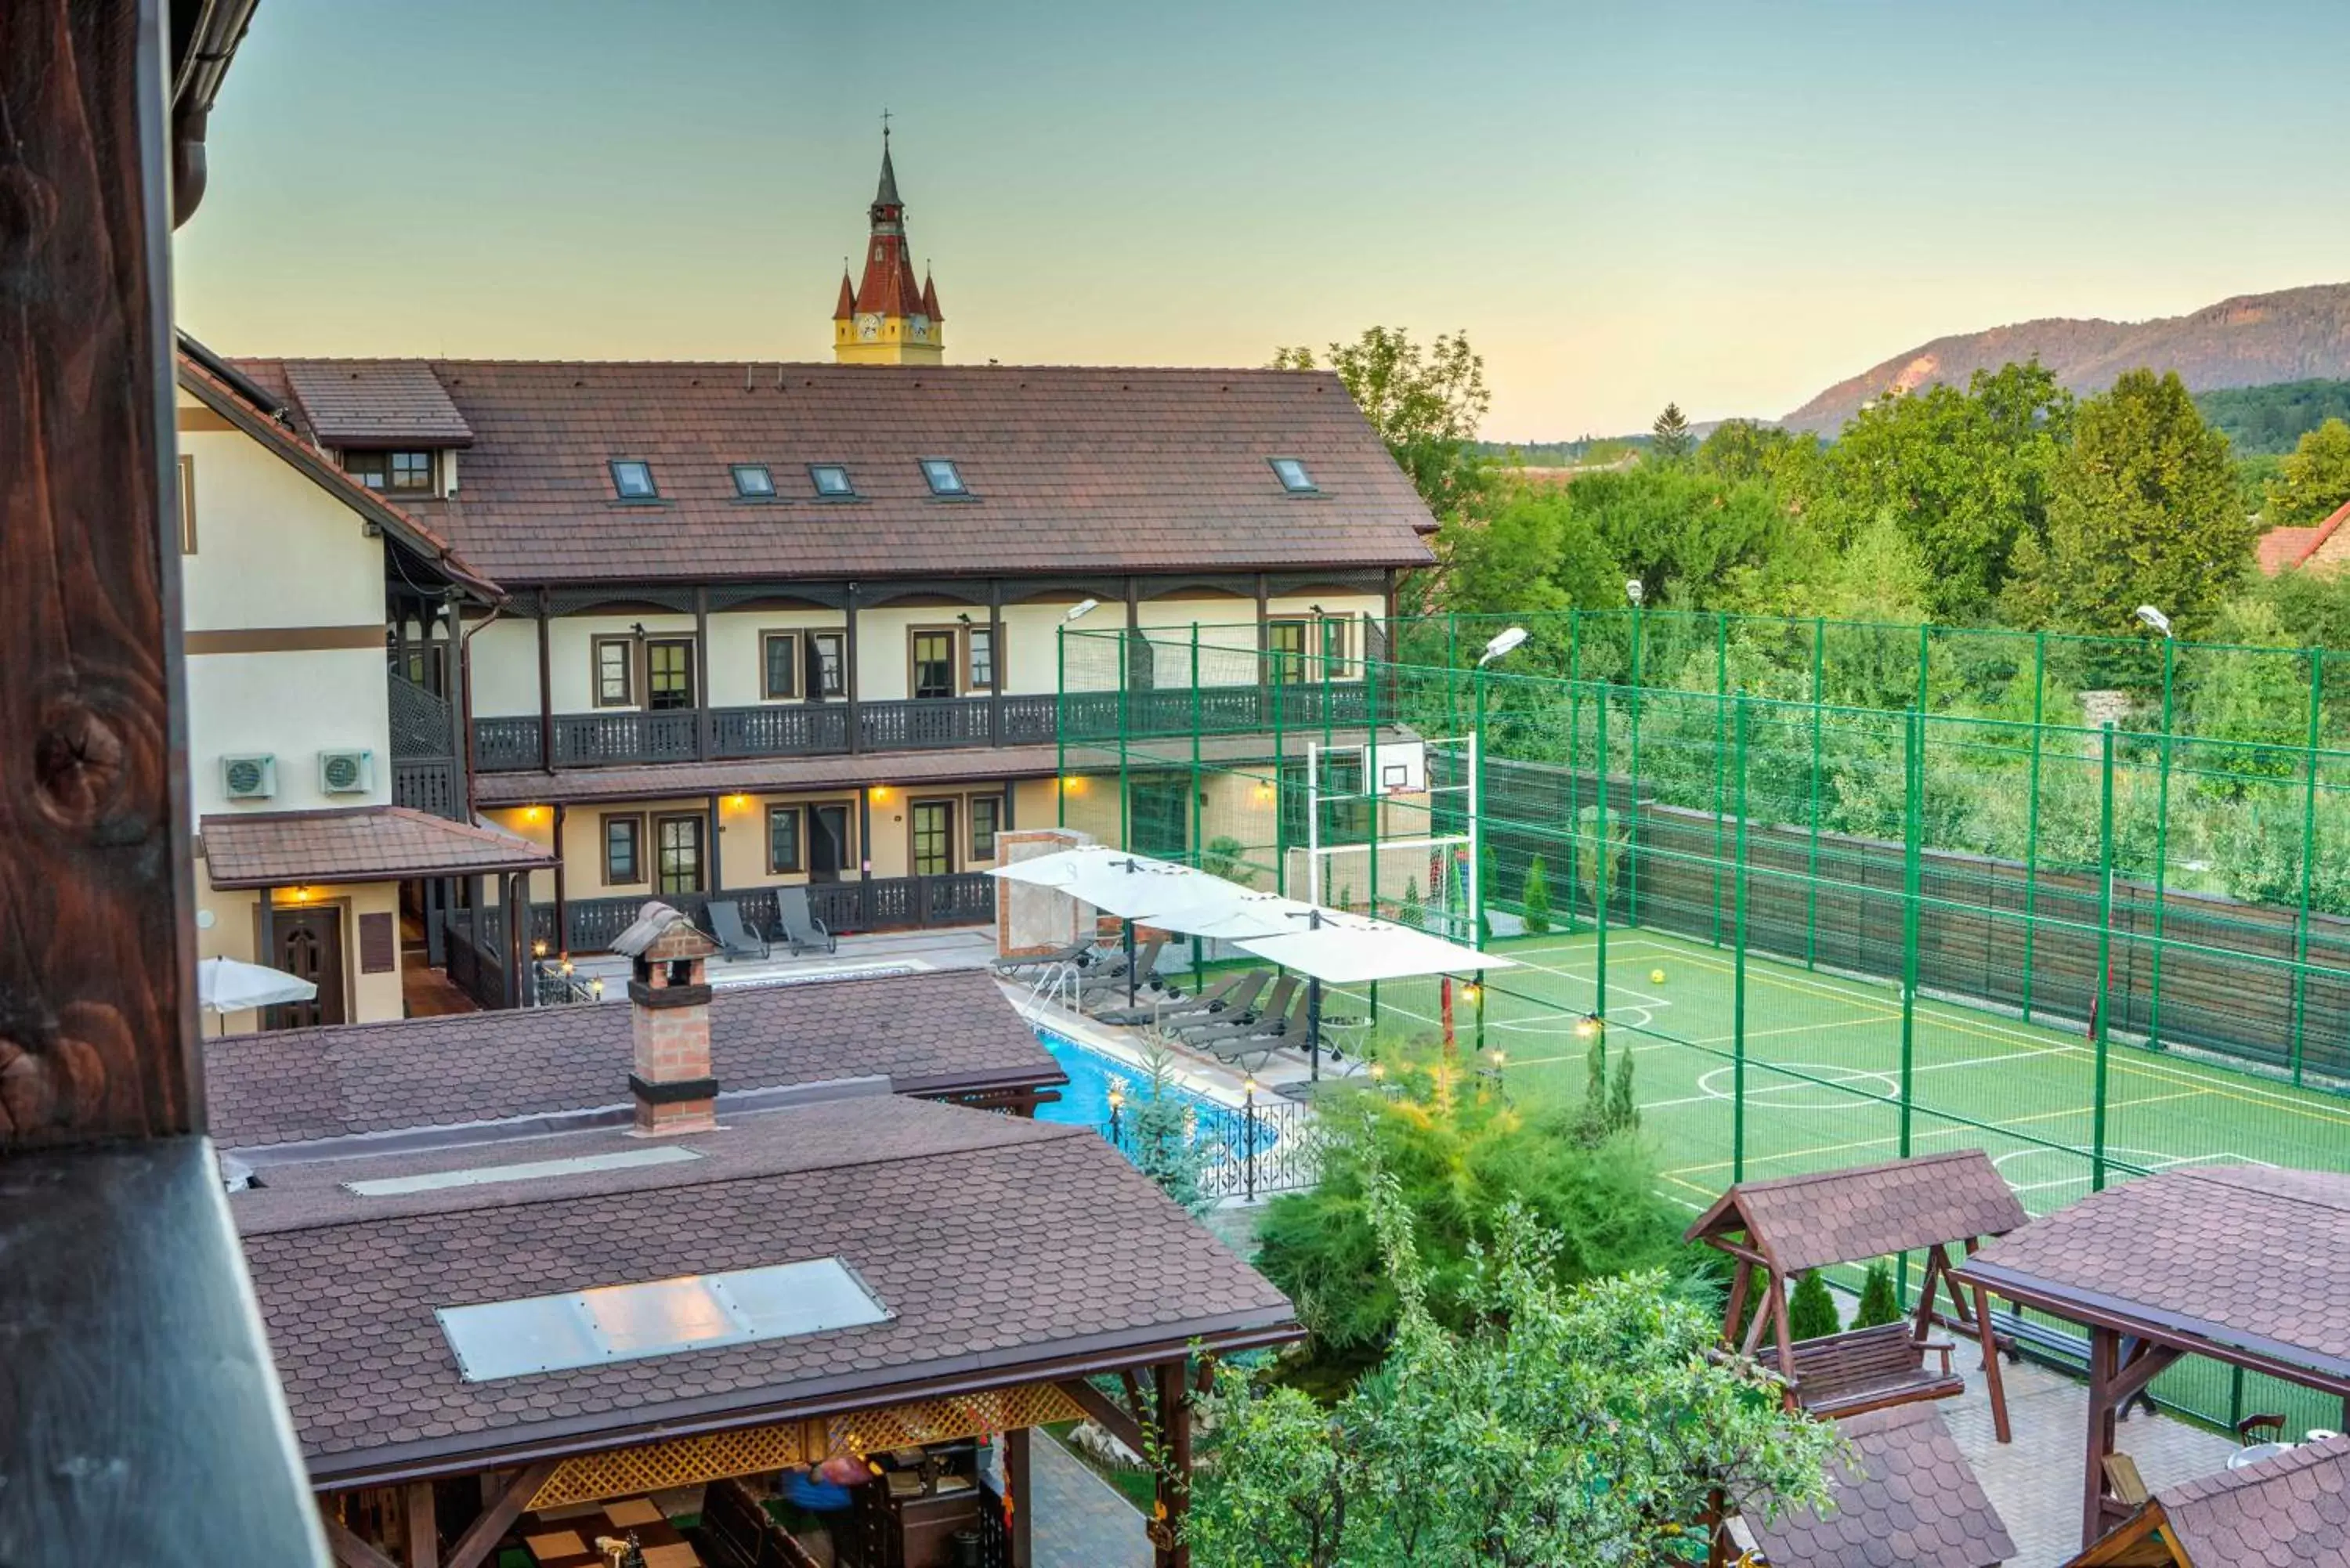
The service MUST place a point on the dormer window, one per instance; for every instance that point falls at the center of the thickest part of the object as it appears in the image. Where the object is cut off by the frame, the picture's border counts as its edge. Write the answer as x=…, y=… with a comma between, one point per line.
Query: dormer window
x=633, y=481
x=395, y=473
x=944, y=477
x=753, y=482
x=1292, y=475
x=831, y=480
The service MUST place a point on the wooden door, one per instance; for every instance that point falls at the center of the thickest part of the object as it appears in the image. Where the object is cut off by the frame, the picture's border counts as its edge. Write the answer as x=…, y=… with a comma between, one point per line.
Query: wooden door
x=310, y=946
x=827, y=845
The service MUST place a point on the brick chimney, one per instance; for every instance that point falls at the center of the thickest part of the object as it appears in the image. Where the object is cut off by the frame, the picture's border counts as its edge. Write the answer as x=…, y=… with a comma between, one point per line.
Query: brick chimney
x=669, y=1004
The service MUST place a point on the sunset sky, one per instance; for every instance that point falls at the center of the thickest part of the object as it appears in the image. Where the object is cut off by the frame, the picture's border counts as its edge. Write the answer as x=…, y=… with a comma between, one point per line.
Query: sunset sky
x=1728, y=204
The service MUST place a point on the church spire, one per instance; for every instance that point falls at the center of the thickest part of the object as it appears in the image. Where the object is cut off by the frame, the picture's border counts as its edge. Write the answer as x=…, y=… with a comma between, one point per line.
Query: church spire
x=888, y=317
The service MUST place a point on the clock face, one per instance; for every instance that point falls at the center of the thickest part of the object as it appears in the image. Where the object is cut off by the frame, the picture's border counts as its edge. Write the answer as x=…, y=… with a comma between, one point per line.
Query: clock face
x=869, y=327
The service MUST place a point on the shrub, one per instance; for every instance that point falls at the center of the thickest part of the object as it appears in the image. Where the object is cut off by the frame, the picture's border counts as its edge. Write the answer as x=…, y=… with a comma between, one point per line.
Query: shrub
x=1878, y=1304
x=1535, y=896
x=1811, y=1311
x=1412, y=913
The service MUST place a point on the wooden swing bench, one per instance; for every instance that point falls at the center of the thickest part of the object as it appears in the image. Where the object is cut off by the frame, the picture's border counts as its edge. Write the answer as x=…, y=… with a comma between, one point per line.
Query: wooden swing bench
x=1869, y=1368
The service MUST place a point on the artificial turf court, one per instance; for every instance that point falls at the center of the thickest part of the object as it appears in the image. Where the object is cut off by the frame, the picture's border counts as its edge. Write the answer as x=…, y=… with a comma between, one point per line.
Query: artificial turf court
x=1822, y=1077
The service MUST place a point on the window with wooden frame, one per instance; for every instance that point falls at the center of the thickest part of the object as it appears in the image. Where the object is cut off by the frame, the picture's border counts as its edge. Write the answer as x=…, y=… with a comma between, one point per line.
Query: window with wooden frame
x=986, y=821
x=784, y=854
x=1285, y=639
x=187, y=505
x=931, y=662
x=779, y=665
x=398, y=473
x=624, y=859
x=1338, y=648
x=615, y=673
x=931, y=831
x=829, y=662
x=669, y=673
x=677, y=854
x=980, y=659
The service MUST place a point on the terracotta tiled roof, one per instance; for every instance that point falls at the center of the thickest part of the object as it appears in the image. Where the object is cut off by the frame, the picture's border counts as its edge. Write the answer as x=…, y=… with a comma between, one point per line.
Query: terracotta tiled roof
x=1867, y=1211
x=998, y=1244
x=2281, y=549
x=927, y=1033
x=2289, y=1511
x=360, y=843
x=364, y=404
x=930, y=299
x=1907, y=1499
x=2255, y=1258
x=1070, y=470
x=846, y=305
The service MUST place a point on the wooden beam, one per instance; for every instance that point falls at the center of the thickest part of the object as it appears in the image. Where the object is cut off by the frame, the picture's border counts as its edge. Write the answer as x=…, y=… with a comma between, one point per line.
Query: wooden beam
x=480, y=1537
x=1104, y=1412
x=1741, y=1283
x=1172, y=1467
x=423, y=1525
x=2147, y=1363
x=349, y=1550
x=1994, y=1381
x=2102, y=1351
x=546, y=684
x=1017, y=1471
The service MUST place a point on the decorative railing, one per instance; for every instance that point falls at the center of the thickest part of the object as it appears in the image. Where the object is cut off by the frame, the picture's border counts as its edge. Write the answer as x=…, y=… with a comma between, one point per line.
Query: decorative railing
x=422, y=723
x=428, y=787
x=1245, y=1151
x=886, y=903
x=922, y=724
x=672, y=736
x=779, y=730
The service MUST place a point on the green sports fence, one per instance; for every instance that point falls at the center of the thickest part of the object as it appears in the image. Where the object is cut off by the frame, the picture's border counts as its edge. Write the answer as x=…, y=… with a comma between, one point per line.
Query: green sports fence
x=2094, y=950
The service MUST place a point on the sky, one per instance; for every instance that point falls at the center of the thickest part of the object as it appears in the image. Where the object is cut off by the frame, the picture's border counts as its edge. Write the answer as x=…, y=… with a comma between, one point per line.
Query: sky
x=1728, y=204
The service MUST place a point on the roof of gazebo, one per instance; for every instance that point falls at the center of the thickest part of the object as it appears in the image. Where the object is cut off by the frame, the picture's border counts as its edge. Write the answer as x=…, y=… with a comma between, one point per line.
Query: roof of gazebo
x=2282, y=1513
x=2249, y=1263
x=1864, y=1211
x=1904, y=1498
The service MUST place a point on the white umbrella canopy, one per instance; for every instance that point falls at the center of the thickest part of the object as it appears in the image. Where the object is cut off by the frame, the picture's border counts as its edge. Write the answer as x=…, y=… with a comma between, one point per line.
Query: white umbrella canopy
x=225, y=985
x=1350, y=950
x=1129, y=887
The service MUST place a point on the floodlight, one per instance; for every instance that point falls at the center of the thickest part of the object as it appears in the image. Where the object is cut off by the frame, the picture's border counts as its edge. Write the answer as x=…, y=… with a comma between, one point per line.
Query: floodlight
x=1501, y=645
x=1633, y=590
x=2155, y=618
x=1081, y=610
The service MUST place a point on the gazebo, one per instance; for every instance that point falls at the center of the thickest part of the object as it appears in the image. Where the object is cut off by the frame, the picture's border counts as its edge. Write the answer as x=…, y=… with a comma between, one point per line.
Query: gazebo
x=1789, y=1225
x=2292, y=1508
x=1905, y=1494
x=2249, y=1266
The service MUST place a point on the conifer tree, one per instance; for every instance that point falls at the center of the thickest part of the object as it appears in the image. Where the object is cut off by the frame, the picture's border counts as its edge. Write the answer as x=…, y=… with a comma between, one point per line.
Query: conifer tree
x=1811, y=1311
x=1878, y=1304
x=1671, y=439
x=1535, y=897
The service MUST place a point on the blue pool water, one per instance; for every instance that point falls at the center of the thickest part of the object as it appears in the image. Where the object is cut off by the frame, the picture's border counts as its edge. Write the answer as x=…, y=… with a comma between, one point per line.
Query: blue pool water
x=1085, y=1099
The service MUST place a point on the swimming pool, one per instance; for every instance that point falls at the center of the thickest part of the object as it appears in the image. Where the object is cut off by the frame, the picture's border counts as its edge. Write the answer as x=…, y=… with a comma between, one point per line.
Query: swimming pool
x=1085, y=1099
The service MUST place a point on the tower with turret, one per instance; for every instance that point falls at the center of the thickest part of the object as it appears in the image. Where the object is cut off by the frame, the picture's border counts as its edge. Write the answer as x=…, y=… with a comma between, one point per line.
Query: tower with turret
x=887, y=319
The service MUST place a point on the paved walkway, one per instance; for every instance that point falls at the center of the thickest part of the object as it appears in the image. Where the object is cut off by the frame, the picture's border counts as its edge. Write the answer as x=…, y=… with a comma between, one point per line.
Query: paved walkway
x=1081, y=1522
x=2035, y=1481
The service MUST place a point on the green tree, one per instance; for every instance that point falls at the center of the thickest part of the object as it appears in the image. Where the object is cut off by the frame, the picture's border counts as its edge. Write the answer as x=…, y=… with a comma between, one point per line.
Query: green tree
x=2313, y=481
x=1413, y=914
x=1811, y=1311
x=1567, y=1427
x=1963, y=475
x=1878, y=1303
x=1669, y=439
x=1425, y=403
x=1457, y=1160
x=1533, y=896
x=2143, y=511
x=1695, y=539
x=1158, y=1132
x=1536, y=552
x=1746, y=448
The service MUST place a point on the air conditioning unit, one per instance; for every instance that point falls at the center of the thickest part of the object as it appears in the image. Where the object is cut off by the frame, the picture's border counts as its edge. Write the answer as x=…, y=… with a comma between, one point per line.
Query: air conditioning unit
x=250, y=777
x=346, y=773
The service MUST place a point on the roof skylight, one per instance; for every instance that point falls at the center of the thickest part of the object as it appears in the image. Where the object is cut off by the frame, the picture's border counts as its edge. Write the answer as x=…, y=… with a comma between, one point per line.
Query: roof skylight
x=660, y=1317
x=830, y=479
x=753, y=481
x=945, y=478
x=1293, y=475
x=633, y=480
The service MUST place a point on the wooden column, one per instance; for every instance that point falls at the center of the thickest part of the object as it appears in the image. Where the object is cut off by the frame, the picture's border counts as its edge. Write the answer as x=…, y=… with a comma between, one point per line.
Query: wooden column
x=714, y=882
x=865, y=836
x=423, y=1525
x=546, y=682
x=1993, y=1379
x=995, y=660
x=1263, y=648
x=848, y=673
x=266, y=934
x=2102, y=1354
x=1173, y=1400
x=1016, y=1479
x=701, y=719
x=562, y=943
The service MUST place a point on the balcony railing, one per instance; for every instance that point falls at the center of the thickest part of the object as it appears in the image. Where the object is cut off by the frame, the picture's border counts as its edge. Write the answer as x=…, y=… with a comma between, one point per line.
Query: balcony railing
x=801, y=730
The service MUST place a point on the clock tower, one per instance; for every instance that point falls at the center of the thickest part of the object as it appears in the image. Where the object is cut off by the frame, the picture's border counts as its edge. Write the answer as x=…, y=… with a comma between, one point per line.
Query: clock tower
x=886, y=319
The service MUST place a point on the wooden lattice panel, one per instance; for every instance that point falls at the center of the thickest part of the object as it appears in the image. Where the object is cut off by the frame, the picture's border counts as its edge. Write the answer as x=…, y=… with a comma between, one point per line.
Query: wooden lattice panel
x=944, y=1421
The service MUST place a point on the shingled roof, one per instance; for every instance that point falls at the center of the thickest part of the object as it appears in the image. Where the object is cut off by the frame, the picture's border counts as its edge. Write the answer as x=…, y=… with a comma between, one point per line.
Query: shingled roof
x=2252, y=1259
x=1004, y=1249
x=2289, y=1511
x=1067, y=469
x=361, y=844
x=1866, y=1211
x=940, y=1033
x=1906, y=1498
x=369, y=404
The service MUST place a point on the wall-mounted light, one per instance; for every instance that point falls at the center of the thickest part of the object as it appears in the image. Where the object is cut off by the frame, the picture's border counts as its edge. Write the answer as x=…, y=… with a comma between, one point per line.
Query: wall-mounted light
x=1082, y=609
x=880, y=792
x=538, y=947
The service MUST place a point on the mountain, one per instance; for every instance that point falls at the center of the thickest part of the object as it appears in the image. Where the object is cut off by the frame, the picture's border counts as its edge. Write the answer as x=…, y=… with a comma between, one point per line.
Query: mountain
x=2250, y=340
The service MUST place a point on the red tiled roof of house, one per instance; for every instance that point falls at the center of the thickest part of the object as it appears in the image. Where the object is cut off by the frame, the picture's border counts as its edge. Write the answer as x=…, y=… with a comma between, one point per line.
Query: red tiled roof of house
x=1069, y=470
x=2289, y=1511
x=358, y=844
x=999, y=1246
x=1906, y=1498
x=2281, y=549
x=382, y=404
x=945, y=1031
x=1867, y=1212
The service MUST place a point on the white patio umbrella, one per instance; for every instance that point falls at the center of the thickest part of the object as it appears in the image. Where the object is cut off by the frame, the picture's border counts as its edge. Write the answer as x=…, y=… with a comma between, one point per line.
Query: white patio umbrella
x=226, y=985
x=1136, y=888
x=1326, y=945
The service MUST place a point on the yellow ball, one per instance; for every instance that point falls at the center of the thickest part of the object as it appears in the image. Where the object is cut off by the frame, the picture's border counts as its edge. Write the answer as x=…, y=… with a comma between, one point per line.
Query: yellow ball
x=1656, y=977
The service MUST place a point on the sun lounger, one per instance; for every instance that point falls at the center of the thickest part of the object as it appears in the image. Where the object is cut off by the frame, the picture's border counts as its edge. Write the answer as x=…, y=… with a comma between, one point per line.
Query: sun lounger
x=800, y=926
x=1274, y=1031
x=1112, y=981
x=1073, y=953
x=737, y=940
x=1234, y=995
x=1205, y=1035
